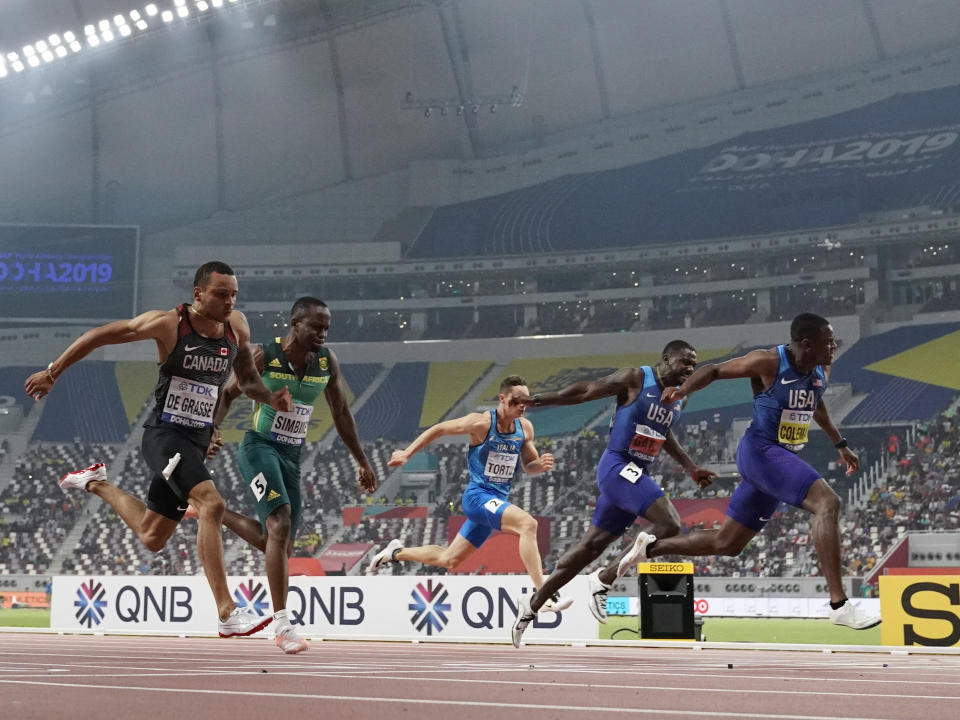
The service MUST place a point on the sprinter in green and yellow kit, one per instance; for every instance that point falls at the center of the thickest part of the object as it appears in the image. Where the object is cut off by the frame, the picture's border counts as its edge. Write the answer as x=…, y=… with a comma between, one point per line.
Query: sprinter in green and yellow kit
x=269, y=456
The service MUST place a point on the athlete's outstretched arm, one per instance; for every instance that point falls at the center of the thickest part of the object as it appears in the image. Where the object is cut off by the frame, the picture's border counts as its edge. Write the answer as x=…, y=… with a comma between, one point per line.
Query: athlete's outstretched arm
x=466, y=425
x=701, y=476
x=847, y=456
x=228, y=393
x=533, y=462
x=618, y=384
x=755, y=364
x=159, y=325
x=246, y=373
x=347, y=427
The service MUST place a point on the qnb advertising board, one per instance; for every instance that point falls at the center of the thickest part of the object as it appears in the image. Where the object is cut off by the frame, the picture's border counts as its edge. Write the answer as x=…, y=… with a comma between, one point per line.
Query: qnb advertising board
x=406, y=607
x=68, y=272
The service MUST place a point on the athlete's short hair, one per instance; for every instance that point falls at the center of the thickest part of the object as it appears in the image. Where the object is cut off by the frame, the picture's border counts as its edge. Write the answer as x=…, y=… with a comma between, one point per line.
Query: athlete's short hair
x=302, y=304
x=805, y=326
x=675, y=347
x=203, y=273
x=511, y=381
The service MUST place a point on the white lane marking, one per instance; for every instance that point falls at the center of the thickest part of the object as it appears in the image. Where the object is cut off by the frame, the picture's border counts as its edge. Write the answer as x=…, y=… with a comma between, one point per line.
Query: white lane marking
x=660, y=712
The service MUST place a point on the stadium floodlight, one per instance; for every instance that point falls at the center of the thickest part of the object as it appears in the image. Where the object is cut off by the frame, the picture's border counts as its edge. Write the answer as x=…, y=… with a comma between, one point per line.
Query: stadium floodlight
x=28, y=51
x=54, y=40
x=135, y=15
x=41, y=46
x=93, y=40
x=61, y=51
x=183, y=11
x=89, y=30
x=119, y=20
x=47, y=56
x=17, y=66
x=125, y=30
x=202, y=6
x=151, y=10
x=104, y=25
x=141, y=24
x=167, y=16
x=33, y=61
x=3, y=70
x=217, y=3
x=12, y=57
x=107, y=35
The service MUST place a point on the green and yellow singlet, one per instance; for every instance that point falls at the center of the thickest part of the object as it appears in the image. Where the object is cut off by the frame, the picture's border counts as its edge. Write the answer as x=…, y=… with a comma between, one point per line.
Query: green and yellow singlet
x=290, y=428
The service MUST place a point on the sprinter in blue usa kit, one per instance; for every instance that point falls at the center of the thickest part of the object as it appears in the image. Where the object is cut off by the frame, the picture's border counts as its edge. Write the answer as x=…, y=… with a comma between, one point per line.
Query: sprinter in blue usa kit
x=640, y=429
x=788, y=383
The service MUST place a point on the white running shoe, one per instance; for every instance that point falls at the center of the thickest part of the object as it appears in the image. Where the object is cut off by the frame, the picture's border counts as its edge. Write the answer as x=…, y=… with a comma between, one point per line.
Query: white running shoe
x=384, y=556
x=79, y=479
x=598, y=596
x=852, y=616
x=288, y=640
x=637, y=554
x=524, y=617
x=242, y=622
x=556, y=604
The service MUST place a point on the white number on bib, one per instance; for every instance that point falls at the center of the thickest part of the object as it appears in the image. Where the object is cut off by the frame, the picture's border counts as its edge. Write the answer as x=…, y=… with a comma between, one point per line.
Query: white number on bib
x=190, y=403
x=291, y=427
x=500, y=466
x=259, y=486
x=631, y=472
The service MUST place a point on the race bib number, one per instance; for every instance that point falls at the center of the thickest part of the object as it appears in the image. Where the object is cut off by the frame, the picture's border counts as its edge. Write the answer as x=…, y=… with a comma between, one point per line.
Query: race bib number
x=492, y=505
x=291, y=427
x=631, y=472
x=646, y=442
x=259, y=486
x=500, y=466
x=190, y=403
x=794, y=428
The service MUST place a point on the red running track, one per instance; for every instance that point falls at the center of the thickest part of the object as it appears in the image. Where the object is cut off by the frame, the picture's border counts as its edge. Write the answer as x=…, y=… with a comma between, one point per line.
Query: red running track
x=78, y=677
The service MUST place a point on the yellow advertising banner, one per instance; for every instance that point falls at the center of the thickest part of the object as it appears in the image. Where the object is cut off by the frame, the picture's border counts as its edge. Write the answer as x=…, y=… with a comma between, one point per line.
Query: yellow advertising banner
x=920, y=610
x=665, y=568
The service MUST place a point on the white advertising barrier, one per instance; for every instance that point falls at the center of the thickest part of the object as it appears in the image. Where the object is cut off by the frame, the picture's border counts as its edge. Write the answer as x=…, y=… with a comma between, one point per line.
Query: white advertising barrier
x=405, y=607
x=773, y=607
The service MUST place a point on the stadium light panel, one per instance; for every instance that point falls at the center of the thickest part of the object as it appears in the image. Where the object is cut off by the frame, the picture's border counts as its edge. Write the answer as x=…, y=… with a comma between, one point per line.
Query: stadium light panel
x=41, y=46
x=33, y=61
x=167, y=16
x=3, y=70
x=135, y=15
x=217, y=3
x=61, y=51
x=151, y=10
x=54, y=40
x=93, y=40
x=17, y=66
x=141, y=24
x=119, y=20
x=125, y=30
x=104, y=25
x=47, y=56
x=89, y=30
x=183, y=11
x=107, y=35
x=28, y=51
x=202, y=6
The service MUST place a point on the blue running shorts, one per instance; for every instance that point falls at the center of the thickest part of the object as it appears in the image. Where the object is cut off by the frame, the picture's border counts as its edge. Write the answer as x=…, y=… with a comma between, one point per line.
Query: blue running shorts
x=769, y=475
x=483, y=508
x=622, y=499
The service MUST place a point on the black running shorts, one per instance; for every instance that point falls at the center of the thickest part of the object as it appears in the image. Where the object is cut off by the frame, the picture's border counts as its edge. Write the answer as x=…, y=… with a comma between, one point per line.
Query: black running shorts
x=159, y=444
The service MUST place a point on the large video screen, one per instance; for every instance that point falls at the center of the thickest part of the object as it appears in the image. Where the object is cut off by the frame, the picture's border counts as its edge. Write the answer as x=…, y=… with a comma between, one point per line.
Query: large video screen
x=68, y=272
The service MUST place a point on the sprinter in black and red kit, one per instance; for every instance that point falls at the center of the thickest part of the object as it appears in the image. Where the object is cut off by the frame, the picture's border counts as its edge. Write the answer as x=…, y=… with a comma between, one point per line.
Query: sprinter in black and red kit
x=198, y=344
